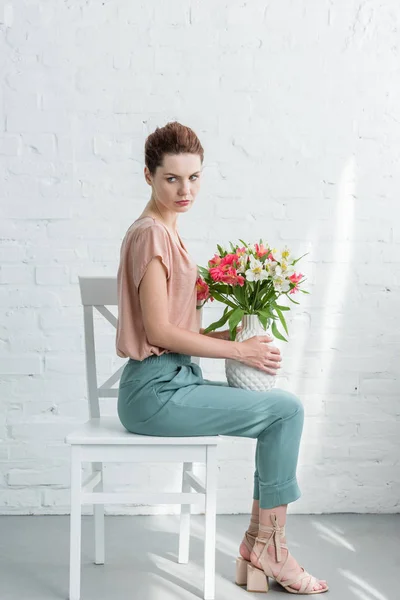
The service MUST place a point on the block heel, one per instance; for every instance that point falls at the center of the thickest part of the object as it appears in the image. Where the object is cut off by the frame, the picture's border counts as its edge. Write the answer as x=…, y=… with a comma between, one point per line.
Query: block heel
x=241, y=563
x=241, y=571
x=257, y=581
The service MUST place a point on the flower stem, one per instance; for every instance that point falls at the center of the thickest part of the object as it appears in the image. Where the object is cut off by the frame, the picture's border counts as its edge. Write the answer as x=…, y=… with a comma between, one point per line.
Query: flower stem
x=256, y=288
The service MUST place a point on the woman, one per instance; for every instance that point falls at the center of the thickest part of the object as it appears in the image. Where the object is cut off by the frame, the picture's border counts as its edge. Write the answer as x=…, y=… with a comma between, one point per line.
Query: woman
x=163, y=393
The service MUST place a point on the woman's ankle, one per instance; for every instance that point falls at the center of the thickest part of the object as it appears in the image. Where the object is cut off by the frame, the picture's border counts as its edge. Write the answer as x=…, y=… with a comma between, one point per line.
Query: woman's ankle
x=266, y=516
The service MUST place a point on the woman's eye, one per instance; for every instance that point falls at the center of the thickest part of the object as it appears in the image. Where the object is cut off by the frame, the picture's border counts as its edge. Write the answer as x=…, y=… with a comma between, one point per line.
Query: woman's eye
x=172, y=179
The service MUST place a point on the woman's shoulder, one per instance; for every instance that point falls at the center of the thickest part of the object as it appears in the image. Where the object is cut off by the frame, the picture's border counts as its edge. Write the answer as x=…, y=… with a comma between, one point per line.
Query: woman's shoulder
x=145, y=225
x=145, y=234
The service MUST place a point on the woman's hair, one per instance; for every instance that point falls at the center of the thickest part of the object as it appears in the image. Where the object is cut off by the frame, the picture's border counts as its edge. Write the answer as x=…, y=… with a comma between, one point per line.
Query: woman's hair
x=173, y=138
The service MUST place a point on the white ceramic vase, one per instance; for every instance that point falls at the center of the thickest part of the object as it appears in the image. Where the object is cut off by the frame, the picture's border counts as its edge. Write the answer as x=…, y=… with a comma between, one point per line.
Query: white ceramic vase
x=243, y=376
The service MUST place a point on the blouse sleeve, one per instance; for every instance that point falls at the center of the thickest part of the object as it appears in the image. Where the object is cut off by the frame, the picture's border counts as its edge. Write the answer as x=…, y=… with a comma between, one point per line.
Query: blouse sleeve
x=151, y=242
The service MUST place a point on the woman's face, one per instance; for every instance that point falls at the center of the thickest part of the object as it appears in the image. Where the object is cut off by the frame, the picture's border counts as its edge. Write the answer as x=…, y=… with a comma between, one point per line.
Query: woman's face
x=177, y=180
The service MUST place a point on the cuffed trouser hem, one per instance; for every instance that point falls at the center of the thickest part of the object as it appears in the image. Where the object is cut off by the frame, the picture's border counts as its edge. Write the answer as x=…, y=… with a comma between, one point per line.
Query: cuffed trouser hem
x=272, y=496
x=256, y=488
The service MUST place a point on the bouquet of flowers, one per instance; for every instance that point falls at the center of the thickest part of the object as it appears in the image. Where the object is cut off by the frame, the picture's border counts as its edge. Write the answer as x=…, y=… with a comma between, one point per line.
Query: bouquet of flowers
x=249, y=279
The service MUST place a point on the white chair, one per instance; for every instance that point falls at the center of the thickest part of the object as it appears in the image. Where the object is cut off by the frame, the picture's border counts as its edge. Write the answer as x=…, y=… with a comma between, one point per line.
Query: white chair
x=104, y=439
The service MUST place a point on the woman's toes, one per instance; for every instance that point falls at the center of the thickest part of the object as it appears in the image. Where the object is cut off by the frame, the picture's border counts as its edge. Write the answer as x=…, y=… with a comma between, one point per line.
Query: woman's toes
x=319, y=586
x=322, y=585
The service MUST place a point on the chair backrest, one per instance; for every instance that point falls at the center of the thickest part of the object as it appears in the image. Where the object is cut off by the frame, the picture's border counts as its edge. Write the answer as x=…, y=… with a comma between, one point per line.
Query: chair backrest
x=98, y=293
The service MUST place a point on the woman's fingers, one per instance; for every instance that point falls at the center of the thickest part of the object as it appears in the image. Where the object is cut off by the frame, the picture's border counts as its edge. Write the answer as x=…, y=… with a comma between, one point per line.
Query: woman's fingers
x=271, y=366
x=274, y=350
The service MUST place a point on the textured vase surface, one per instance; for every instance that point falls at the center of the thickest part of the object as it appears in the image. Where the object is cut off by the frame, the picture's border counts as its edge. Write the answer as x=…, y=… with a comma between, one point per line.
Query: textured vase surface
x=243, y=376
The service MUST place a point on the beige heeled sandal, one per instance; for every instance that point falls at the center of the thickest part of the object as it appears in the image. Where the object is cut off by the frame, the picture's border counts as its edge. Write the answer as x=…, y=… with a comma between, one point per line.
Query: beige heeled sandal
x=257, y=579
x=241, y=563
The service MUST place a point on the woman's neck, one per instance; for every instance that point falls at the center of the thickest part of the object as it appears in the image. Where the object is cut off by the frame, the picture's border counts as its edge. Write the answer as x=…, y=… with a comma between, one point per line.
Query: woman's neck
x=169, y=220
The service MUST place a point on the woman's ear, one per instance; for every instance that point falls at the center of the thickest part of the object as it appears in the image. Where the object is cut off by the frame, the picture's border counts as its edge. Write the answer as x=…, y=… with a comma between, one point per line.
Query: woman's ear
x=147, y=176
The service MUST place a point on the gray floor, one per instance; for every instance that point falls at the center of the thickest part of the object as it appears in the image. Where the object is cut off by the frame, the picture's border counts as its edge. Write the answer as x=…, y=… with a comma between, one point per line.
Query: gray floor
x=359, y=555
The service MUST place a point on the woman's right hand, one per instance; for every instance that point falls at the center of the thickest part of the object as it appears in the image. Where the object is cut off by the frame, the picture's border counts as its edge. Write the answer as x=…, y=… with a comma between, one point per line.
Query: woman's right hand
x=257, y=353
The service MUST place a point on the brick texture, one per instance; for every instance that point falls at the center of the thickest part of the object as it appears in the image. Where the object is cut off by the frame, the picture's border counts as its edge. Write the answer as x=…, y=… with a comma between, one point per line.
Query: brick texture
x=296, y=104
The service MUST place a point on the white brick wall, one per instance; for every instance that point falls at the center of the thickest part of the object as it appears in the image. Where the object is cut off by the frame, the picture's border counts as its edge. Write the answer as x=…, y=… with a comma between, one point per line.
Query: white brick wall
x=296, y=104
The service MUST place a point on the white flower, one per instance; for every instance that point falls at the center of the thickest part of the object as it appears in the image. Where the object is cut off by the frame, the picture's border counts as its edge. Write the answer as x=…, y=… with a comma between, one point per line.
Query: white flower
x=284, y=271
x=242, y=264
x=286, y=256
x=281, y=277
x=270, y=266
x=281, y=284
x=256, y=272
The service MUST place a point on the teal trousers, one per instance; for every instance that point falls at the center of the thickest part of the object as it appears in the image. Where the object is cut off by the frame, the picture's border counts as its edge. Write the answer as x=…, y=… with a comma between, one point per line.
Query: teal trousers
x=167, y=396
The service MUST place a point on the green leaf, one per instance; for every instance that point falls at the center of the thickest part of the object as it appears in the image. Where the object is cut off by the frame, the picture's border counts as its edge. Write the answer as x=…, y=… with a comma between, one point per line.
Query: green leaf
x=244, y=243
x=282, y=307
x=276, y=333
x=297, y=259
x=221, y=250
x=233, y=249
x=202, y=271
x=234, y=319
x=265, y=316
x=294, y=301
x=220, y=298
x=264, y=319
x=282, y=319
x=221, y=288
x=220, y=322
x=242, y=293
x=239, y=294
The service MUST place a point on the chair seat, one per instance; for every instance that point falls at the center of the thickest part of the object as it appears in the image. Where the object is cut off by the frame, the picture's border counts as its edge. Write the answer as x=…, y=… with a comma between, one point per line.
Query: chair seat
x=109, y=430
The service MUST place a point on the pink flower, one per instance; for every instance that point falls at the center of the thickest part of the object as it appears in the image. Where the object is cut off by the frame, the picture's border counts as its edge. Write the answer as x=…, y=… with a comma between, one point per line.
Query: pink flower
x=216, y=273
x=224, y=269
x=260, y=250
x=232, y=278
x=296, y=280
x=226, y=274
x=214, y=262
x=229, y=259
x=240, y=251
x=203, y=291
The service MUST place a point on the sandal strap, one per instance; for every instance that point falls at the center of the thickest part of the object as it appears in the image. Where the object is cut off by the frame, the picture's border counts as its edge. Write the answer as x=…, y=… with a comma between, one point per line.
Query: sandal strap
x=276, y=533
x=250, y=538
x=307, y=580
x=305, y=587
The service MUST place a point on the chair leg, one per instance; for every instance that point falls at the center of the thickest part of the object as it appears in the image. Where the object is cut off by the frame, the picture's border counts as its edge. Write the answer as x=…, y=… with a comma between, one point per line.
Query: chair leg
x=98, y=510
x=210, y=523
x=184, y=525
x=75, y=525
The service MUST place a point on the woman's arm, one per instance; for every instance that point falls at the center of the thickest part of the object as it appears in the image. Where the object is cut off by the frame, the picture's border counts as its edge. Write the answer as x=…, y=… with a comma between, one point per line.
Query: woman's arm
x=160, y=332
x=221, y=335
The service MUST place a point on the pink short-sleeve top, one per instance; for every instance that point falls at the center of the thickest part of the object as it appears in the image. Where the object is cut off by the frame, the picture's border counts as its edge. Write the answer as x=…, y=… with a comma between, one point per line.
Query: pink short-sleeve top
x=146, y=238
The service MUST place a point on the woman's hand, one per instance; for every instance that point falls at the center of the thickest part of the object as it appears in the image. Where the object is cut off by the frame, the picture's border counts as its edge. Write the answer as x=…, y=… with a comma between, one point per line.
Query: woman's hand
x=256, y=352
